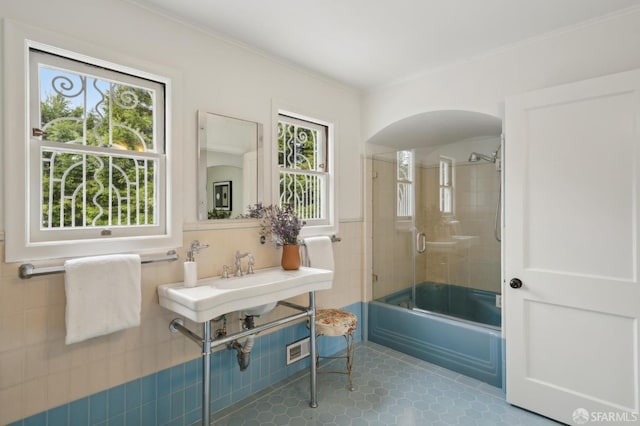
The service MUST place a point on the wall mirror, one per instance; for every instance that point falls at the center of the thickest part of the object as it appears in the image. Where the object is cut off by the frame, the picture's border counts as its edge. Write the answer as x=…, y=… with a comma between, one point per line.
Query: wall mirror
x=229, y=166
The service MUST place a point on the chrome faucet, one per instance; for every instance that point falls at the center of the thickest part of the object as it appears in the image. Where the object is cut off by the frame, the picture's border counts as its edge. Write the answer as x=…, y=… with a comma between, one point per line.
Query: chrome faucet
x=239, y=256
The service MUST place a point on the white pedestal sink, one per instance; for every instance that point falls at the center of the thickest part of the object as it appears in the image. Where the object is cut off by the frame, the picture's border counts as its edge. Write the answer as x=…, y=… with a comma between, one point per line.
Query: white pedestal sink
x=254, y=294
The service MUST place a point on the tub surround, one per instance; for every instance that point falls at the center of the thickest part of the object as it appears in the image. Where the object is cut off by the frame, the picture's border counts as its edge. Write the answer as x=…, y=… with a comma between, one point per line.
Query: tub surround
x=468, y=349
x=469, y=304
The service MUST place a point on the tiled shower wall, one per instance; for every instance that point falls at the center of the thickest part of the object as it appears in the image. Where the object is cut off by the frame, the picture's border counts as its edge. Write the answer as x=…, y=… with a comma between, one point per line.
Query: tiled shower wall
x=39, y=372
x=477, y=265
x=476, y=194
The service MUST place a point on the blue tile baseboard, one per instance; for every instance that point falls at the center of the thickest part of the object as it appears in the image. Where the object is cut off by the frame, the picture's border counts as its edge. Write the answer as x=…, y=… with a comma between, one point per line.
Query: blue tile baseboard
x=174, y=396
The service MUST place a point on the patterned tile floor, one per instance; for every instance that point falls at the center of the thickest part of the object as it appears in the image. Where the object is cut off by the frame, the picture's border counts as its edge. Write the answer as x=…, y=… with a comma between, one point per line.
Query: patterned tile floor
x=391, y=388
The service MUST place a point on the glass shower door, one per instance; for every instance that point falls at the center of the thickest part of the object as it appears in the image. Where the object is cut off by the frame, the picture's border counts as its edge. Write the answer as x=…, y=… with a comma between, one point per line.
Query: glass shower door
x=434, y=247
x=393, y=228
x=457, y=195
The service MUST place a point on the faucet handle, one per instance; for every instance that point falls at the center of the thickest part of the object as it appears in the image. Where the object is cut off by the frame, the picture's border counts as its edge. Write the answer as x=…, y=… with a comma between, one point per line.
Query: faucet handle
x=225, y=271
x=250, y=263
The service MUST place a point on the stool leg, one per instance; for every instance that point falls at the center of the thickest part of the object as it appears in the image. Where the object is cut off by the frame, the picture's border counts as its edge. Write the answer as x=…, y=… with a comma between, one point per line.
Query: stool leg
x=350, y=354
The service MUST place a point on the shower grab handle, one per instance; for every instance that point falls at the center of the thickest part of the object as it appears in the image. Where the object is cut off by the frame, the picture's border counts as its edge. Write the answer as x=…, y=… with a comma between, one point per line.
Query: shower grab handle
x=421, y=242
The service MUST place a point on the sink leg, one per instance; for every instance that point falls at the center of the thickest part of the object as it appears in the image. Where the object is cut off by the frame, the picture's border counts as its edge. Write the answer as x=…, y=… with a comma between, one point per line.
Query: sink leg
x=312, y=332
x=206, y=372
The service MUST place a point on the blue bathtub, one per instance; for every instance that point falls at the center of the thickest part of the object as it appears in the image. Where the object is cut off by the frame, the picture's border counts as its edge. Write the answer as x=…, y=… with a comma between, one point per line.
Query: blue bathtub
x=461, y=302
x=460, y=345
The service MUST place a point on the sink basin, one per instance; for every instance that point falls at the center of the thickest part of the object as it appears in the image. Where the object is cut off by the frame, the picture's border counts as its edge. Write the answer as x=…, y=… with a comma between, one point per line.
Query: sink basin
x=254, y=294
x=261, y=277
x=260, y=310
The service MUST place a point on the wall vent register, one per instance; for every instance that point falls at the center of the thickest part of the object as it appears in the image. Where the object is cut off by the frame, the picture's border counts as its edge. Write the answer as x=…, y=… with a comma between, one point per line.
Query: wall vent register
x=298, y=350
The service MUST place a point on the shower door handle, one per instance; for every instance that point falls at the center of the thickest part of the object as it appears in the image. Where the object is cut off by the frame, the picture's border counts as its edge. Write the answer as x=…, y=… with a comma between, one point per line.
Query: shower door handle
x=421, y=242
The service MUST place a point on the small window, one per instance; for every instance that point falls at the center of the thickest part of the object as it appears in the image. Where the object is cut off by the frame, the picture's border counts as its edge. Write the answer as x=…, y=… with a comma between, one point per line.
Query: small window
x=446, y=185
x=97, y=151
x=303, y=163
x=404, y=182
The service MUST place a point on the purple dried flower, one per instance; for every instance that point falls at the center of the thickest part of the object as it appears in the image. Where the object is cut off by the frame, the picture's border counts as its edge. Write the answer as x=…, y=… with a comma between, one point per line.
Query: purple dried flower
x=279, y=222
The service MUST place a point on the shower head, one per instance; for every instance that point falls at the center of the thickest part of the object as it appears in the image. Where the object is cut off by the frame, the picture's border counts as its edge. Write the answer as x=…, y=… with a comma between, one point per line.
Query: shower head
x=475, y=157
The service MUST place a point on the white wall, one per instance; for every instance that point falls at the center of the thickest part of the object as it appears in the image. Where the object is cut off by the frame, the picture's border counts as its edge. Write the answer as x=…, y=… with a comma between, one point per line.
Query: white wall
x=481, y=84
x=217, y=76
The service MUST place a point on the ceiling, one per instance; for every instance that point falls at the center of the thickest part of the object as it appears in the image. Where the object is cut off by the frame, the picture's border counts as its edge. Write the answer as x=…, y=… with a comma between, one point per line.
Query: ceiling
x=437, y=128
x=369, y=43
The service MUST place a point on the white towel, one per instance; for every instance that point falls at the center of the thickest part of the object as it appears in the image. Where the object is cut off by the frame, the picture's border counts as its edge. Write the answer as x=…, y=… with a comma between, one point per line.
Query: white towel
x=319, y=252
x=103, y=295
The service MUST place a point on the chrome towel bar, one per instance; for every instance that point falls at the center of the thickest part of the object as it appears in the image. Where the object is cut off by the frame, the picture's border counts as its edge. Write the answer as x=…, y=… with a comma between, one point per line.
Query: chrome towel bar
x=27, y=270
x=334, y=239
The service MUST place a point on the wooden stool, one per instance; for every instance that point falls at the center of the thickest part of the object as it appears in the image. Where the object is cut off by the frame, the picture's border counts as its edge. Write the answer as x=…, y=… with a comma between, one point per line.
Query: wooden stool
x=336, y=322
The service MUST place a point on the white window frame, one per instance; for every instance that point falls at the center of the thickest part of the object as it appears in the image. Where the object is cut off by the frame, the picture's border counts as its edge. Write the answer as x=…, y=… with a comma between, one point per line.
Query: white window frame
x=329, y=226
x=446, y=180
x=36, y=144
x=19, y=242
x=322, y=151
x=406, y=204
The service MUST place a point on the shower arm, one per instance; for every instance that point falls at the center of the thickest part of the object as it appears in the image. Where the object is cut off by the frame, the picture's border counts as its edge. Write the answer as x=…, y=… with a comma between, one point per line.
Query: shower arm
x=476, y=156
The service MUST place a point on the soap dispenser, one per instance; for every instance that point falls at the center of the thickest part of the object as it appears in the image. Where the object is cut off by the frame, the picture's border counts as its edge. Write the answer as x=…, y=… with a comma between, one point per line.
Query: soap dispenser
x=190, y=270
x=190, y=266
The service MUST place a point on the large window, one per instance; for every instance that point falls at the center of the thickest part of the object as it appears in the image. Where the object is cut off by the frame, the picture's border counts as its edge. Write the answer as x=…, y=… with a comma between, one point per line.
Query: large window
x=89, y=165
x=303, y=163
x=96, y=151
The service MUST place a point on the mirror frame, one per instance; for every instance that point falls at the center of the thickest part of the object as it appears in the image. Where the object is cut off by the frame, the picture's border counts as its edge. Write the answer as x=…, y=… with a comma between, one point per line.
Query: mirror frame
x=202, y=207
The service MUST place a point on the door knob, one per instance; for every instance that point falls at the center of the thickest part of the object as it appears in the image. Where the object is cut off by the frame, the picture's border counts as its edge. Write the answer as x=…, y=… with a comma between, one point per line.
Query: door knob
x=515, y=283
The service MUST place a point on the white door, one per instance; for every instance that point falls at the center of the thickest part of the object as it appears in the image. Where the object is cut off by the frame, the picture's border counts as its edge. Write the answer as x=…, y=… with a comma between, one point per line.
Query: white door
x=572, y=232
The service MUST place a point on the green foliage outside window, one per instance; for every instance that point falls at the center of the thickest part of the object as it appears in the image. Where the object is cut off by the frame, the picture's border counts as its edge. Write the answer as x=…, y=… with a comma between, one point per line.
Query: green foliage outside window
x=128, y=129
x=298, y=151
